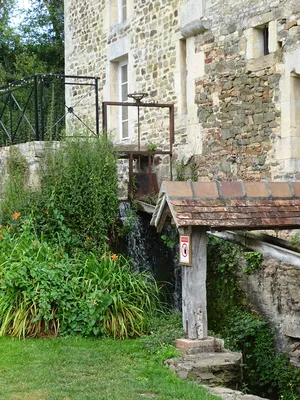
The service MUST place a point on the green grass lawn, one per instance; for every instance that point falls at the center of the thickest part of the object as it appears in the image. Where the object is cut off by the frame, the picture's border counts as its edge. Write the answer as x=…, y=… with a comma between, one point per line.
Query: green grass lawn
x=85, y=369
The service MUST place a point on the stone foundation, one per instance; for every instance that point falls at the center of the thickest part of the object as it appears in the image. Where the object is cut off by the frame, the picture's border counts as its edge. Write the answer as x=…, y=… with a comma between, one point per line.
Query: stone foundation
x=211, y=369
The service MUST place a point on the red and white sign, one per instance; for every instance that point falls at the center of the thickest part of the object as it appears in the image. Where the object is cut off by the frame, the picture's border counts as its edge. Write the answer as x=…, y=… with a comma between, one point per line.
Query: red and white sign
x=185, y=254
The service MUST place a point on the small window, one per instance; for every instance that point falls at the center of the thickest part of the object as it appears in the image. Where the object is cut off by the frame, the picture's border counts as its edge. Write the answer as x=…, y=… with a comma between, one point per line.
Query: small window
x=123, y=92
x=265, y=31
x=260, y=42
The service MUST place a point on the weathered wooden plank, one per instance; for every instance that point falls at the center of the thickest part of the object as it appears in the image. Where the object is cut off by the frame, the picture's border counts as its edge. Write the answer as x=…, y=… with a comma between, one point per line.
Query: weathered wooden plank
x=221, y=216
x=234, y=209
x=194, y=310
x=257, y=223
x=237, y=202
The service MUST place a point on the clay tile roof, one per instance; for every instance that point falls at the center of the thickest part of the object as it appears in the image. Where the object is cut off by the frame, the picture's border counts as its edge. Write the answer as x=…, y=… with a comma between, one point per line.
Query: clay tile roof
x=229, y=205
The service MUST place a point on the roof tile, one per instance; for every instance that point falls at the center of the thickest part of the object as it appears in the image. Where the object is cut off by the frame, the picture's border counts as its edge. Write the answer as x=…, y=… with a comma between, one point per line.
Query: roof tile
x=259, y=210
x=179, y=189
x=205, y=189
x=280, y=189
x=256, y=189
x=231, y=189
x=296, y=188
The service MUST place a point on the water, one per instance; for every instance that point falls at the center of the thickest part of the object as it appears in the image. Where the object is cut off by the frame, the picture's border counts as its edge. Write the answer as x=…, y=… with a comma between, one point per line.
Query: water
x=149, y=253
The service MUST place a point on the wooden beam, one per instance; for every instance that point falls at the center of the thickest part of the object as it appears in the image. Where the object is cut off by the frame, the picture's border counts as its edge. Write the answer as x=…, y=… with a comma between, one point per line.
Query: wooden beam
x=194, y=310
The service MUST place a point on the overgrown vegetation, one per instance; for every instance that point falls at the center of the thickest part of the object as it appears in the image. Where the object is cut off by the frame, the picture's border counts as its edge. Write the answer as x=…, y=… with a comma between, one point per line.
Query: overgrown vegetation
x=57, y=275
x=266, y=373
x=43, y=291
x=15, y=187
x=163, y=332
x=77, y=202
x=186, y=170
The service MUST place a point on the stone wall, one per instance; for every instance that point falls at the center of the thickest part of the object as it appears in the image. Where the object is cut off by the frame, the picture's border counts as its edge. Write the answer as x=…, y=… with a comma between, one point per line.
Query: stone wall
x=32, y=152
x=95, y=46
x=273, y=291
x=235, y=108
x=240, y=97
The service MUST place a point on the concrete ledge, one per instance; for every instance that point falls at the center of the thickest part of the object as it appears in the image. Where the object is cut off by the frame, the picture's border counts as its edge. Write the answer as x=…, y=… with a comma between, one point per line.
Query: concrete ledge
x=209, y=345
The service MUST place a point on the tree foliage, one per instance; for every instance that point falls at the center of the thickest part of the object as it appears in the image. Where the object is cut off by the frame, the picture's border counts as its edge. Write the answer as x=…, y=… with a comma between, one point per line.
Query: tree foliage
x=43, y=33
x=36, y=44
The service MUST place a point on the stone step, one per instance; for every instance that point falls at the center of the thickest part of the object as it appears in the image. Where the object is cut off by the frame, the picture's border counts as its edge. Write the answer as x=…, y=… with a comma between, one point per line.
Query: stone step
x=229, y=394
x=211, y=369
x=209, y=345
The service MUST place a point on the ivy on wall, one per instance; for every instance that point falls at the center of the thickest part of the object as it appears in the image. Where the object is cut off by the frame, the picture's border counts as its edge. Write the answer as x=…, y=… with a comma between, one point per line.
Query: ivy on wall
x=266, y=373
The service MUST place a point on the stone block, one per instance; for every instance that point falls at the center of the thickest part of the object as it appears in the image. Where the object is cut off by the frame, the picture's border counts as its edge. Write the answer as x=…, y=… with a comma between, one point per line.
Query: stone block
x=290, y=24
x=212, y=369
x=209, y=345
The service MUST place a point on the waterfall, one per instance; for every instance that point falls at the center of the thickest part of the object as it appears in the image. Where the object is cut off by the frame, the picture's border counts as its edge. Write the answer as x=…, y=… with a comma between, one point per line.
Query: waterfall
x=148, y=252
x=136, y=239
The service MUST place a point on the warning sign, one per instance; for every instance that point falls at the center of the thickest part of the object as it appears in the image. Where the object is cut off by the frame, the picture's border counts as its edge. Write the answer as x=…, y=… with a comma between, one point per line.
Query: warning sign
x=185, y=253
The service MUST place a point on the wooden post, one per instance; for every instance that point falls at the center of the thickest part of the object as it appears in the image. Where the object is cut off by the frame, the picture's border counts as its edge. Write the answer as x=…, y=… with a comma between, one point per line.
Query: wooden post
x=194, y=312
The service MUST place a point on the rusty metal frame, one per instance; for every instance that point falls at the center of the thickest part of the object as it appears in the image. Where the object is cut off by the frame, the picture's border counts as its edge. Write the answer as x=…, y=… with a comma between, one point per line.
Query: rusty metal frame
x=137, y=154
x=140, y=104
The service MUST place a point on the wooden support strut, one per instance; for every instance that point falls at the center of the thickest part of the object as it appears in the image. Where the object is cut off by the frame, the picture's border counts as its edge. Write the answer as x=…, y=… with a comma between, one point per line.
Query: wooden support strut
x=194, y=309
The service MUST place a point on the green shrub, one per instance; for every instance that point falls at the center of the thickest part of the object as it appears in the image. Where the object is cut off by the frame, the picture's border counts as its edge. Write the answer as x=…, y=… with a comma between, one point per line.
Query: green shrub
x=164, y=330
x=17, y=195
x=77, y=201
x=45, y=292
x=79, y=191
x=253, y=262
x=266, y=373
x=223, y=291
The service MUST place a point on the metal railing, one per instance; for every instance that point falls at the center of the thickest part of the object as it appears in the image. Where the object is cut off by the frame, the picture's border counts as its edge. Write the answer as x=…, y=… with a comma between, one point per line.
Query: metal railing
x=34, y=107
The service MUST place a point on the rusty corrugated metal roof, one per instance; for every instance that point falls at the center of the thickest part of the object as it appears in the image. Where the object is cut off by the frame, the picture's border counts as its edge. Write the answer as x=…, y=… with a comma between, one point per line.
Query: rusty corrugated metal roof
x=229, y=205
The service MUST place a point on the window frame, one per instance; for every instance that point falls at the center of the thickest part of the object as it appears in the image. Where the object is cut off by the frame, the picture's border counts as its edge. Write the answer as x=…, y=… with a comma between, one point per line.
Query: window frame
x=122, y=10
x=122, y=98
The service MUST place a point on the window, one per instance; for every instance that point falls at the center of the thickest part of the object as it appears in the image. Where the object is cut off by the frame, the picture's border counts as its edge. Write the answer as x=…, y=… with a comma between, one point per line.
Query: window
x=123, y=92
x=183, y=76
x=118, y=12
x=261, y=40
x=265, y=32
x=122, y=10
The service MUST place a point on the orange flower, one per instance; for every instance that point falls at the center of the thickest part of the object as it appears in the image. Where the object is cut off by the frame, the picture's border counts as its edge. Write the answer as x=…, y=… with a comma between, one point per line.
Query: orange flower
x=104, y=256
x=16, y=215
x=1, y=236
x=114, y=257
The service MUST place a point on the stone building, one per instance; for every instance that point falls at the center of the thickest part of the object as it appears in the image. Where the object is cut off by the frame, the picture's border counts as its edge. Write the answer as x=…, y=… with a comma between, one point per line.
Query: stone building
x=231, y=68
